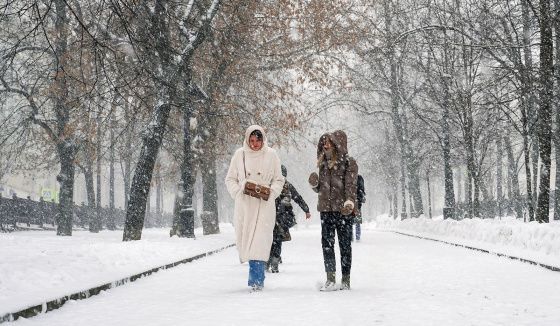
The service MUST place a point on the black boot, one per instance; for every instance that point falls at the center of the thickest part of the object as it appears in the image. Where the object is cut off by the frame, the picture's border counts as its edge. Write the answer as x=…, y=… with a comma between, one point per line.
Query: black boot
x=274, y=265
x=345, y=283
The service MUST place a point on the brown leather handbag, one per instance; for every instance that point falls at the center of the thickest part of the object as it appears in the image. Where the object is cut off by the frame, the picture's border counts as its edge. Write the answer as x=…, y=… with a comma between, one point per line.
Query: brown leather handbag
x=253, y=189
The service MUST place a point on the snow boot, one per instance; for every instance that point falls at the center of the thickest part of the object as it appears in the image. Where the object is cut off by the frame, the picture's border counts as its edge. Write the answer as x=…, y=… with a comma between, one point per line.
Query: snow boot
x=330, y=284
x=345, y=283
x=274, y=265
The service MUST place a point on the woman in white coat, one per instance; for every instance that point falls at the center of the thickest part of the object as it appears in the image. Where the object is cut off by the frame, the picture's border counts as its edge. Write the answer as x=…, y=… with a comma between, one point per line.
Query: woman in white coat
x=254, y=218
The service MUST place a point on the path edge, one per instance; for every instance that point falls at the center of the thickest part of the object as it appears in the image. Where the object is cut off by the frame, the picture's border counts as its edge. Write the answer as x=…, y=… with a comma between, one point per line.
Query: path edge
x=524, y=260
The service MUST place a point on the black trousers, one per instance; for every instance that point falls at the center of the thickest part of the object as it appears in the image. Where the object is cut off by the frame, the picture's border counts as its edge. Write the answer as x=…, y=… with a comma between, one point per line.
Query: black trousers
x=331, y=222
x=276, y=249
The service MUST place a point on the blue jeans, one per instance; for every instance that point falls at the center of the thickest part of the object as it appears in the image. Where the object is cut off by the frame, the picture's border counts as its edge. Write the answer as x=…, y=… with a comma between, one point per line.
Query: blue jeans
x=256, y=272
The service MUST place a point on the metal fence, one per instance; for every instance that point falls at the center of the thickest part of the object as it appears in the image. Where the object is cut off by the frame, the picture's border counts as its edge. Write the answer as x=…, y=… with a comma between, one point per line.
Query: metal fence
x=21, y=213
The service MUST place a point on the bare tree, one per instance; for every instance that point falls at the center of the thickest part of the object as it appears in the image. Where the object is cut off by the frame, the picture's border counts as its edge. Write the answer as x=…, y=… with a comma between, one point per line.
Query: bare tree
x=168, y=37
x=544, y=128
x=42, y=65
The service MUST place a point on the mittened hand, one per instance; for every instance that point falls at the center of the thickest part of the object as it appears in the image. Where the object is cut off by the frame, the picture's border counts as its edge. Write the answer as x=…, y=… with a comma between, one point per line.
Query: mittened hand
x=314, y=179
x=348, y=208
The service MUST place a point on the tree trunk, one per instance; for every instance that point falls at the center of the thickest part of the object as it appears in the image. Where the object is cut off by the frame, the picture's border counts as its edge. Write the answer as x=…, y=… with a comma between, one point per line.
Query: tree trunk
x=176, y=211
x=126, y=180
x=528, y=115
x=403, y=190
x=512, y=173
x=90, y=192
x=473, y=201
x=468, y=194
x=414, y=189
x=111, y=217
x=210, y=194
x=159, y=208
x=545, y=110
x=509, y=187
x=489, y=211
x=66, y=147
x=65, y=178
x=148, y=217
x=528, y=176
x=395, y=203
x=557, y=114
x=535, y=167
x=186, y=220
x=411, y=205
x=429, y=194
x=509, y=183
x=412, y=168
x=98, y=218
x=449, y=200
x=130, y=119
x=207, y=131
x=476, y=195
x=460, y=187
x=499, y=163
x=151, y=142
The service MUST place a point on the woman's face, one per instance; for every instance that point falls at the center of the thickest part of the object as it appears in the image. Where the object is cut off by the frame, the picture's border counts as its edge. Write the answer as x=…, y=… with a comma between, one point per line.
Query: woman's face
x=328, y=144
x=255, y=143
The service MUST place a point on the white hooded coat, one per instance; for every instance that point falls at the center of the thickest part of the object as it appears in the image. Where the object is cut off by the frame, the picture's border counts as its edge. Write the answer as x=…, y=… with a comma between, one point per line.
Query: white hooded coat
x=254, y=218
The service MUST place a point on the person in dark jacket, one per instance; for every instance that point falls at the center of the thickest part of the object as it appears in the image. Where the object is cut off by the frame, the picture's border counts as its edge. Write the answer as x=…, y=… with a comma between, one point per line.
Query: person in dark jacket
x=360, y=199
x=336, y=185
x=285, y=219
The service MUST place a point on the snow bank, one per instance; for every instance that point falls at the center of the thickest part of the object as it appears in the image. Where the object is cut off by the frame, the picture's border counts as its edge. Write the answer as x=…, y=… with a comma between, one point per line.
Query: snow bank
x=534, y=241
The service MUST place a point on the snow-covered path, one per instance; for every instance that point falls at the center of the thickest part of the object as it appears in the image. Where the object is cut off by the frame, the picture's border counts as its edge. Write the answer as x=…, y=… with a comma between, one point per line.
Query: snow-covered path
x=396, y=280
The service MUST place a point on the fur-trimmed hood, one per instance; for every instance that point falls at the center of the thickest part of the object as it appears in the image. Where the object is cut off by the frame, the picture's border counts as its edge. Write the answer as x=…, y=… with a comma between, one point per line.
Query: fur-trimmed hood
x=339, y=140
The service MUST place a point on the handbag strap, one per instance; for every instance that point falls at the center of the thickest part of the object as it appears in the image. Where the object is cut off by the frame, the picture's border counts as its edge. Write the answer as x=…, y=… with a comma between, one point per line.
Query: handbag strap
x=244, y=168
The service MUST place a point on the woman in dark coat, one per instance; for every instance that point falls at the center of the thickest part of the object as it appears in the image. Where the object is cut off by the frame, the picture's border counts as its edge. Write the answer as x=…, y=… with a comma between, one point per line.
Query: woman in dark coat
x=360, y=199
x=285, y=219
x=336, y=185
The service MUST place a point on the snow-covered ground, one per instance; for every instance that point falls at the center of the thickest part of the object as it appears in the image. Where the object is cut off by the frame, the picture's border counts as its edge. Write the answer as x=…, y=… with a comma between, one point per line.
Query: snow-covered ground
x=396, y=280
x=38, y=266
